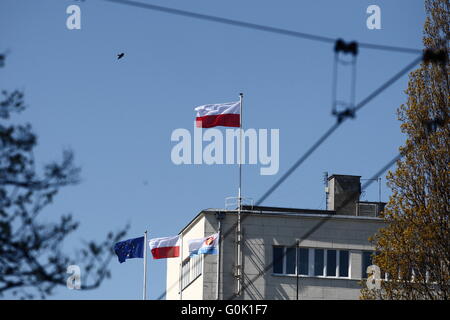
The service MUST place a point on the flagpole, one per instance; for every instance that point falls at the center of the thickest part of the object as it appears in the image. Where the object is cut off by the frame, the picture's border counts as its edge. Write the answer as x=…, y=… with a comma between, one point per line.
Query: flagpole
x=144, y=293
x=241, y=96
x=181, y=269
x=239, y=262
x=218, y=258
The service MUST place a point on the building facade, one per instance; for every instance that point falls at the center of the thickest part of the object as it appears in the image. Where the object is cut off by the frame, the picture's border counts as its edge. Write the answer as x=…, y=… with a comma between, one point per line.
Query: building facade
x=285, y=253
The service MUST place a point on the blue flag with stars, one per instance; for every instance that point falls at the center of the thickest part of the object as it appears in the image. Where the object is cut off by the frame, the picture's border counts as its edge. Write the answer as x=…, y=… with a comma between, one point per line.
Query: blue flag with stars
x=128, y=249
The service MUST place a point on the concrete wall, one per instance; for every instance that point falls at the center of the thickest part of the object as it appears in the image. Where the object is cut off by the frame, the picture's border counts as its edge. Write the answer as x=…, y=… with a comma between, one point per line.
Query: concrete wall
x=194, y=290
x=260, y=233
x=344, y=192
x=210, y=261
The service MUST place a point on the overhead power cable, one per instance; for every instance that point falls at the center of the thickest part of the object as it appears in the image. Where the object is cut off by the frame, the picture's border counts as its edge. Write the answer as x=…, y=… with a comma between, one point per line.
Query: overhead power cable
x=341, y=117
x=259, y=27
x=434, y=56
x=333, y=128
x=327, y=134
x=319, y=142
x=319, y=224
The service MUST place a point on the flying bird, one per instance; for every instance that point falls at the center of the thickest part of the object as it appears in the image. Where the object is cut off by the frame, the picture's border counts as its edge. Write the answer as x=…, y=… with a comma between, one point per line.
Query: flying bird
x=120, y=55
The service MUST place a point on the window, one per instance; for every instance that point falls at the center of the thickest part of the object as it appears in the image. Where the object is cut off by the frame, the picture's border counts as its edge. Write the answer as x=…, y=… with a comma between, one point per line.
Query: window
x=278, y=259
x=331, y=263
x=196, y=269
x=303, y=261
x=290, y=260
x=185, y=273
x=318, y=262
x=311, y=262
x=343, y=263
x=366, y=261
x=191, y=269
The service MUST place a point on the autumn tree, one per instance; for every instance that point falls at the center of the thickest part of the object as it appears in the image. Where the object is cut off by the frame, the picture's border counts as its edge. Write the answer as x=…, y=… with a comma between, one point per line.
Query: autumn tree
x=414, y=248
x=32, y=261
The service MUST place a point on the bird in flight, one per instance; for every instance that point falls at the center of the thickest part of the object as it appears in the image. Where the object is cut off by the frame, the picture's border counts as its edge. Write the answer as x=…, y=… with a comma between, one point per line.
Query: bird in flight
x=120, y=55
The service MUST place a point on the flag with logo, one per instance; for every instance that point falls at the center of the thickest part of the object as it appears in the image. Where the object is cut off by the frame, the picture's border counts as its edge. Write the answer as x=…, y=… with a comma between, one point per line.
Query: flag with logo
x=206, y=245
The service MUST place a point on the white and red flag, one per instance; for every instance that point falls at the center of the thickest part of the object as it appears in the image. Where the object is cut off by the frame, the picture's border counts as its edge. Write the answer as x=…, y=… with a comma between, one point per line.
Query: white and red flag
x=167, y=247
x=223, y=114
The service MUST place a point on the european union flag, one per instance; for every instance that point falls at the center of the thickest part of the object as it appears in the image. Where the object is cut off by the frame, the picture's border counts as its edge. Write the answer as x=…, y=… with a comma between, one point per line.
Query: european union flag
x=131, y=248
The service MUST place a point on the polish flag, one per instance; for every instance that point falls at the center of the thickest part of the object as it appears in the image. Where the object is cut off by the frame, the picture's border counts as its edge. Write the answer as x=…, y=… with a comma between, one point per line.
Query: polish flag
x=162, y=248
x=224, y=114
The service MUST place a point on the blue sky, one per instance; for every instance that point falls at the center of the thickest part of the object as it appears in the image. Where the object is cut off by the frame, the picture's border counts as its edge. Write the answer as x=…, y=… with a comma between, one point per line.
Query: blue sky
x=118, y=116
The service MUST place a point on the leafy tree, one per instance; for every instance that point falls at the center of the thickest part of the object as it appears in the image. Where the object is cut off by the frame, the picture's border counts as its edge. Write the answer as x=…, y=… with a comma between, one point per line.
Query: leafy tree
x=32, y=261
x=414, y=248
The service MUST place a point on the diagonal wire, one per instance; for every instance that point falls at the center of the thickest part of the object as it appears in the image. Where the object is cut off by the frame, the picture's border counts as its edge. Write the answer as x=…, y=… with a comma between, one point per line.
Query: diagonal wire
x=254, y=26
x=388, y=83
x=330, y=131
x=296, y=34
x=302, y=159
x=318, y=143
x=360, y=105
x=320, y=223
x=309, y=232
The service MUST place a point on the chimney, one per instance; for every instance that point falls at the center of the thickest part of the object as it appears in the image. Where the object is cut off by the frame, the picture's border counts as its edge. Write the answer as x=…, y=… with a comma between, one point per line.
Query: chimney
x=343, y=194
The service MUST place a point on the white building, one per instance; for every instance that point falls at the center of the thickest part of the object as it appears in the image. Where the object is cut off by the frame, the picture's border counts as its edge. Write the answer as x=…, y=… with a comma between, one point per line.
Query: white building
x=331, y=248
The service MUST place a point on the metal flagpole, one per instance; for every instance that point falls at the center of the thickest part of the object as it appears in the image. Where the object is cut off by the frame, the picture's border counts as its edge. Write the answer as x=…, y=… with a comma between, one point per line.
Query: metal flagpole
x=239, y=258
x=379, y=189
x=181, y=268
x=144, y=293
x=241, y=96
x=218, y=262
x=297, y=266
x=220, y=216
